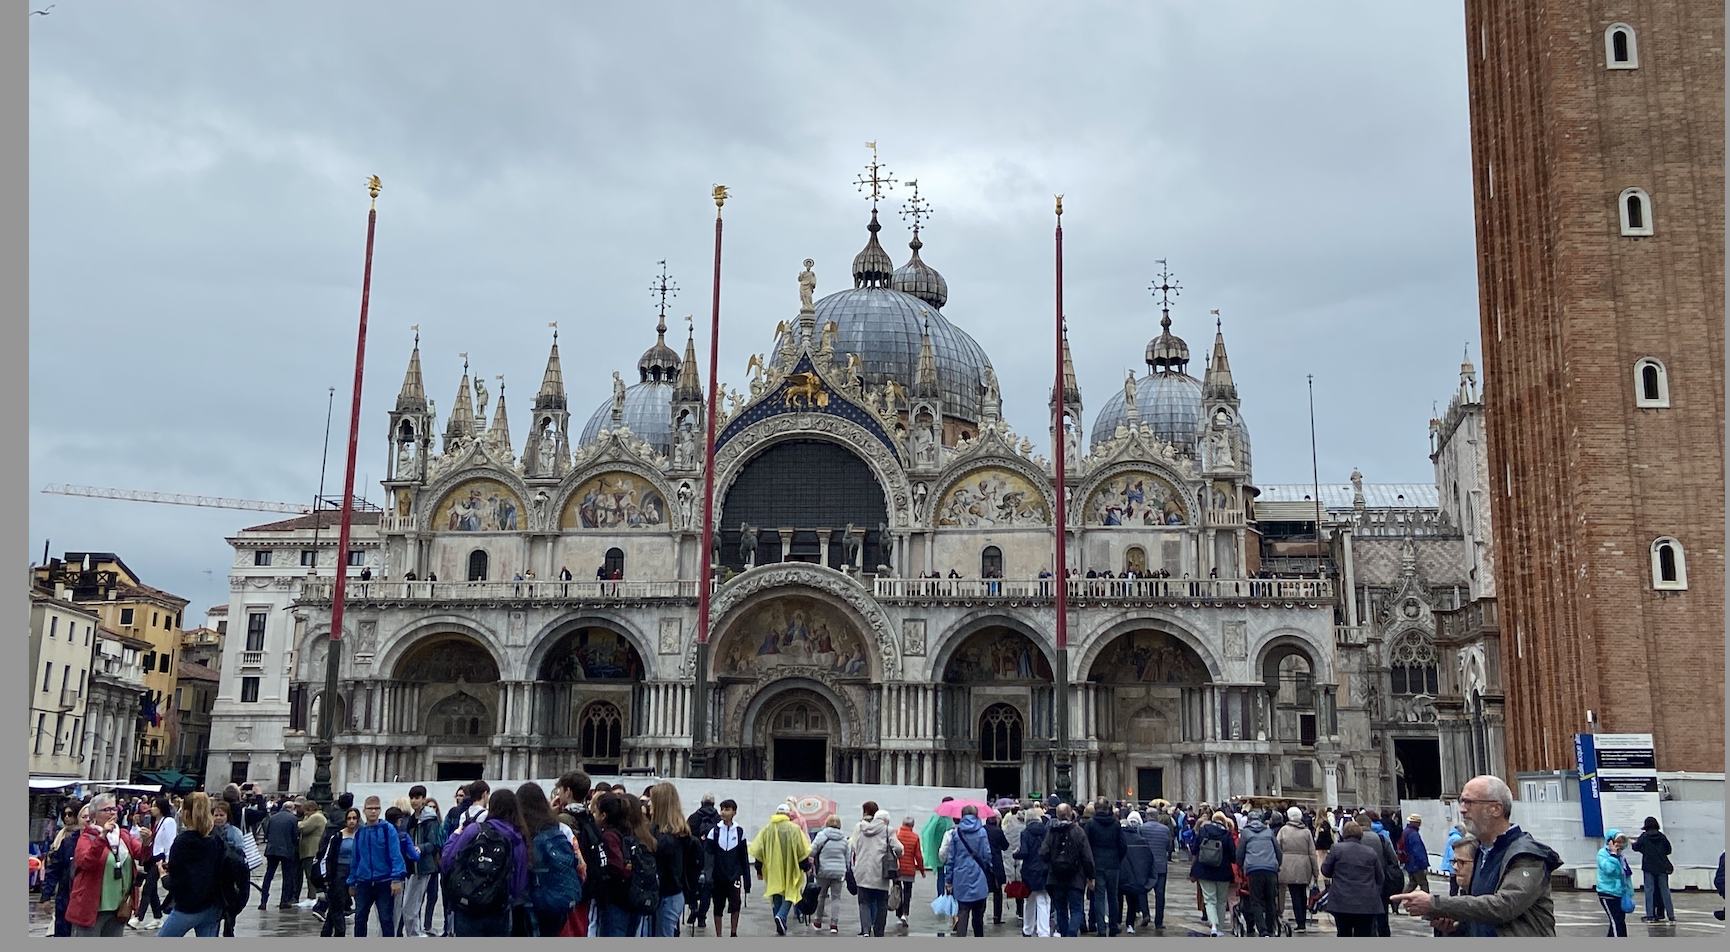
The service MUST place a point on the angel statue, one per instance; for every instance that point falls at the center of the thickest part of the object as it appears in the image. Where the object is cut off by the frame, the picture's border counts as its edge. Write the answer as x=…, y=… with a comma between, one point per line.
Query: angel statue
x=755, y=367
x=897, y=394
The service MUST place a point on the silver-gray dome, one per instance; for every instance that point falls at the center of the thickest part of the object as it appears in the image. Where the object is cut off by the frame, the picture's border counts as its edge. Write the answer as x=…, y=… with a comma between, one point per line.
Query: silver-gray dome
x=1170, y=403
x=883, y=327
x=648, y=412
x=920, y=279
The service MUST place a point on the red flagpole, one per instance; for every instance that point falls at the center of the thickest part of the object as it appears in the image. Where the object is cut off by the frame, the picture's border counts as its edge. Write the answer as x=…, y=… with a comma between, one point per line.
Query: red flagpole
x=1058, y=408
x=705, y=570
x=327, y=706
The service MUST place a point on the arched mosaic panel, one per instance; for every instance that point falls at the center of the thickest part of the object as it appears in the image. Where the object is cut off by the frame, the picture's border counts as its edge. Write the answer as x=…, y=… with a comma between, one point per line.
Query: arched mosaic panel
x=1148, y=657
x=479, y=505
x=1135, y=499
x=988, y=498
x=615, y=501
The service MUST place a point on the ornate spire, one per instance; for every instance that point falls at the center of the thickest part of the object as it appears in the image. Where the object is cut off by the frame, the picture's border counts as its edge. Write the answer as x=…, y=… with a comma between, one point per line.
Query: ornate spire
x=1468, y=377
x=462, y=421
x=690, y=384
x=925, y=381
x=660, y=362
x=552, y=395
x=499, y=434
x=1217, y=383
x=1071, y=389
x=916, y=277
x=872, y=266
x=413, y=394
x=1167, y=352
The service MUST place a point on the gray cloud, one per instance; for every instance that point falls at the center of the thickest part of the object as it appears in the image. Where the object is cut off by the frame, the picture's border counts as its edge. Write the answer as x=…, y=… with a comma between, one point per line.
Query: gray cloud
x=197, y=213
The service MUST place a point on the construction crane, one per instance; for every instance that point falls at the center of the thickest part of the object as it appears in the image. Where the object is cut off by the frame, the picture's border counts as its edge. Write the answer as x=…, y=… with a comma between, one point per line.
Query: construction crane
x=176, y=499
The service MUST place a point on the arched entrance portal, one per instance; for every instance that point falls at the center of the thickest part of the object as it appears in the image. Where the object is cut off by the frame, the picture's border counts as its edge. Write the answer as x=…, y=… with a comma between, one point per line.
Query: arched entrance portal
x=454, y=681
x=585, y=694
x=1148, y=706
x=800, y=729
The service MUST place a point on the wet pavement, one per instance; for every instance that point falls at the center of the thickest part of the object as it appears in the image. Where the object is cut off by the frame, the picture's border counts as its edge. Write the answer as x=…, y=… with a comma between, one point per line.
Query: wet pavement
x=1577, y=914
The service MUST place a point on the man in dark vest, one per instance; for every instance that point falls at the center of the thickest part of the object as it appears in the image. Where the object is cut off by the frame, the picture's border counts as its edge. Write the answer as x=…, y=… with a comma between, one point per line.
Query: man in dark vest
x=1509, y=893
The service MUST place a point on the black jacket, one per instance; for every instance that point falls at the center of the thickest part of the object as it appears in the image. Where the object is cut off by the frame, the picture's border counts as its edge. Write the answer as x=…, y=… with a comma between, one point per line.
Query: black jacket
x=1034, y=870
x=999, y=842
x=1054, y=837
x=725, y=866
x=676, y=862
x=1654, y=849
x=1108, y=842
x=703, y=820
x=194, y=862
x=282, y=835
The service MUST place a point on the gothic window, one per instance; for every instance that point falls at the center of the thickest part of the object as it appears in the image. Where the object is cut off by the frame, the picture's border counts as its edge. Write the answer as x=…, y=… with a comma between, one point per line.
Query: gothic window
x=1635, y=209
x=461, y=717
x=1621, y=51
x=405, y=433
x=478, y=565
x=600, y=731
x=991, y=562
x=1412, y=665
x=1000, y=731
x=1669, y=565
x=1651, y=383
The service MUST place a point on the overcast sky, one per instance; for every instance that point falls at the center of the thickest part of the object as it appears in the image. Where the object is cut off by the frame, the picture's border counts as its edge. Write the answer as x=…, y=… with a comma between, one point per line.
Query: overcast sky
x=198, y=214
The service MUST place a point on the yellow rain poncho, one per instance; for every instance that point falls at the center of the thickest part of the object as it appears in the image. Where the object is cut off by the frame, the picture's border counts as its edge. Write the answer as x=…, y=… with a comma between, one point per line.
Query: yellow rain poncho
x=781, y=847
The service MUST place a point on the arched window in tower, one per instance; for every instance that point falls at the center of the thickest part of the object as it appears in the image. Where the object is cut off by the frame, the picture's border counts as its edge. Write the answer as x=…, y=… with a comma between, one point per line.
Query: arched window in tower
x=478, y=565
x=1651, y=383
x=600, y=731
x=1000, y=733
x=1412, y=665
x=614, y=564
x=991, y=562
x=1621, y=51
x=1635, y=209
x=1669, y=565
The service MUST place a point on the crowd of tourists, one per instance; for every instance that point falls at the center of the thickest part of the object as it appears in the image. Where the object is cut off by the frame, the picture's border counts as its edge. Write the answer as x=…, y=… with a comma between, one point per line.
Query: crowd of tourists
x=597, y=860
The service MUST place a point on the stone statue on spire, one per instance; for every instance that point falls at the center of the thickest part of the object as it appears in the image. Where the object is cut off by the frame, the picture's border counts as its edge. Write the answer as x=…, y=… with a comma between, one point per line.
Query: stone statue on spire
x=807, y=286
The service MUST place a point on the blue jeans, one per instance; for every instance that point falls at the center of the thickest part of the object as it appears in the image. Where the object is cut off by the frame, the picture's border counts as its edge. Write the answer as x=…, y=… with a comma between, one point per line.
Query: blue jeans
x=203, y=924
x=617, y=922
x=370, y=896
x=665, y=921
x=781, y=906
x=1658, y=904
x=1068, y=909
x=873, y=910
x=497, y=925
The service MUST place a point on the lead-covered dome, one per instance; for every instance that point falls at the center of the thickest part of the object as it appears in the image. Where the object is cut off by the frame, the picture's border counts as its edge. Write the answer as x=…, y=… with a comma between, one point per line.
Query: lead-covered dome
x=648, y=412
x=1169, y=403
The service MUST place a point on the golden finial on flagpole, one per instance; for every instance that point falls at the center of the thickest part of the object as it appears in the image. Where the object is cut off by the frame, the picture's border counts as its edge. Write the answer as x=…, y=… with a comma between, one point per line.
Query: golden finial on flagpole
x=1060, y=206
x=373, y=185
x=721, y=197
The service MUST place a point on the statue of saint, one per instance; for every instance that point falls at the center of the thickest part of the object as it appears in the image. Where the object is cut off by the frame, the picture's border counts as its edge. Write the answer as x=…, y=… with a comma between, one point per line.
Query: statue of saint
x=481, y=398
x=1357, y=483
x=807, y=286
x=919, y=493
x=546, y=452
x=1129, y=391
x=618, y=395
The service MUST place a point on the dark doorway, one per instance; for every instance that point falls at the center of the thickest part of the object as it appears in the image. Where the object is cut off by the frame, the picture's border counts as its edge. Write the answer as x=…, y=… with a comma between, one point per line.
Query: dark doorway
x=991, y=562
x=1003, y=782
x=801, y=758
x=1419, y=776
x=477, y=570
x=615, y=563
x=1149, y=783
x=459, y=771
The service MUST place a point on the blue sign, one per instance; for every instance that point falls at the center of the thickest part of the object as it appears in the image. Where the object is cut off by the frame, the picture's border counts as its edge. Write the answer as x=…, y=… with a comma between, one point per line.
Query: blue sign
x=1586, y=762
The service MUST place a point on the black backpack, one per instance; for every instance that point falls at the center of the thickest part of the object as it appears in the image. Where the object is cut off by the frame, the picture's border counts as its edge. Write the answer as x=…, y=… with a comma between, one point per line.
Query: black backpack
x=642, y=886
x=233, y=880
x=1066, y=853
x=1211, y=853
x=479, y=883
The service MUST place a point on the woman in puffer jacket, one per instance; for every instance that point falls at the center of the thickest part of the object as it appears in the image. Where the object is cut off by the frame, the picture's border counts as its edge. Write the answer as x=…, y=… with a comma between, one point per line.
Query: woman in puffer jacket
x=869, y=845
x=1614, y=881
x=829, y=869
x=1298, y=867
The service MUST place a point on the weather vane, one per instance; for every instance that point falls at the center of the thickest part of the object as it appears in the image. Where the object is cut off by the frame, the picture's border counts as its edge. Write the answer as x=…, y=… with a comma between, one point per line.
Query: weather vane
x=915, y=208
x=1167, y=286
x=875, y=175
x=416, y=329
x=555, y=326
x=664, y=287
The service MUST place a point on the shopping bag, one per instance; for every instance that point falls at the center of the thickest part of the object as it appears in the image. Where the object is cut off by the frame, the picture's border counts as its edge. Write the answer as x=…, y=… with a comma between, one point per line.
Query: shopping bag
x=945, y=905
x=1017, y=890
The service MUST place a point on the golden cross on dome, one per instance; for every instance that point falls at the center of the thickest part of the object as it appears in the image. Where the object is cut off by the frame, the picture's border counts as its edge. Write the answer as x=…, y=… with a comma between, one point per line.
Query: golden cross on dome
x=664, y=286
x=875, y=175
x=916, y=208
x=1166, y=285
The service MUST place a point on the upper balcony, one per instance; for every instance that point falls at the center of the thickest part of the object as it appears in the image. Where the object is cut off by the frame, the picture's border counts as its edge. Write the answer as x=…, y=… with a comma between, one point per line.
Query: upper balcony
x=1109, y=590
x=574, y=592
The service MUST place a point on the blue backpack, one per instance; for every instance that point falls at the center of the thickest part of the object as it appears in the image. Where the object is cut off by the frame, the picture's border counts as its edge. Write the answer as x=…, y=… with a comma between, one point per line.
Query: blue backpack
x=557, y=888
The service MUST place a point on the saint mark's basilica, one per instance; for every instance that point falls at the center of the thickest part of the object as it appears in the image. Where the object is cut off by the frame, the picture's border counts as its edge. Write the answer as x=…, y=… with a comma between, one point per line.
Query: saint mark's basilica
x=883, y=611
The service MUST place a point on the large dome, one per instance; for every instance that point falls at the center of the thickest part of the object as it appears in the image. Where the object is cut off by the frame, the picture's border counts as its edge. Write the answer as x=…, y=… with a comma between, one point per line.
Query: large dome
x=648, y=412
x=1170, y=403
x=883, y=327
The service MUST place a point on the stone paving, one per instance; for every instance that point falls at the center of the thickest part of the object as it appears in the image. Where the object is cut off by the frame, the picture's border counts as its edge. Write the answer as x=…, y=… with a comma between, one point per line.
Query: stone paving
x=1577, y=914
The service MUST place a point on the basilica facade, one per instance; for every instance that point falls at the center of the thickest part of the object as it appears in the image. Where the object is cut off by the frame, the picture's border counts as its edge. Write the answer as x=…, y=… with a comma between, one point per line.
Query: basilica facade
x=884, y=599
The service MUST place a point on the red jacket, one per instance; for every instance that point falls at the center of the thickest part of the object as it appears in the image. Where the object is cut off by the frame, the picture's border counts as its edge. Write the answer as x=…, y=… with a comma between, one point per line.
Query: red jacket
x=912, y=861
x=89, y=863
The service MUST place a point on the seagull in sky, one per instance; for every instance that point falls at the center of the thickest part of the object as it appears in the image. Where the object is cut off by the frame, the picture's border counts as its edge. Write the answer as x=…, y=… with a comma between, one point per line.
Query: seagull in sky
x=44, y=10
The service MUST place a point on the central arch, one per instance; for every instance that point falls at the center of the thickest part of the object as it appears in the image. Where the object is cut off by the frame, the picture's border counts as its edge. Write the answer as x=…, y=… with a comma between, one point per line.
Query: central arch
x=817, y=487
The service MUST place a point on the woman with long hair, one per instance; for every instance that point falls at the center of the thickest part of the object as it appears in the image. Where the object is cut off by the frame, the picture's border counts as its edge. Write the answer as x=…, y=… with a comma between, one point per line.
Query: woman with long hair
x=504, y=816
x=676, y=858
x=439, y=836
x=621, y=816
x=222, y=816
x=160, y=833
x=537, y=917
x=194, y=871
x=57, y=876
x=333, y=863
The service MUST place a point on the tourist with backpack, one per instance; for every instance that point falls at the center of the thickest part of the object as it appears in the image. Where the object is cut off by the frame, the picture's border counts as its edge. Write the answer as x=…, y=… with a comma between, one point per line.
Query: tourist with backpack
x=1211, y=868
x=1068, y=859
x=334, y=860
x=375, y=877
x=626, y=883
x=1036, y=920
x=196, y=871
x=829, y=865
x=727, y=865
x=966, y=855
x=221, y=813
x=571, y=794
x=426, y=832
x=485, y=870
x=398, y=816
x=555, y=868
x=696, y=890
x=678, y=860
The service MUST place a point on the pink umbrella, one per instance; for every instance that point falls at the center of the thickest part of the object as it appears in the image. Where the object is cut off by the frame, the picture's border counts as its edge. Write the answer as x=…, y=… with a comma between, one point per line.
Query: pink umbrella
x=952, y=808
x=812, y=810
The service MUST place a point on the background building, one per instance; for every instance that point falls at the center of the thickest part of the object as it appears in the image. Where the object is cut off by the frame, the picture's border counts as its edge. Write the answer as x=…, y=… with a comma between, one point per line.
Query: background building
x=1598, y=179
x=62, y=642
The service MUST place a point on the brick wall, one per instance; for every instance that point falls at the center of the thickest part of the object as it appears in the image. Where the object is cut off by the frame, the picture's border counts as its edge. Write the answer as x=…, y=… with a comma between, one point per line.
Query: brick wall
x=1582, y=481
